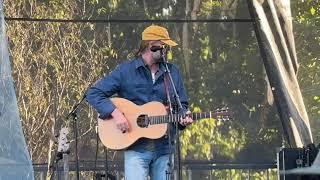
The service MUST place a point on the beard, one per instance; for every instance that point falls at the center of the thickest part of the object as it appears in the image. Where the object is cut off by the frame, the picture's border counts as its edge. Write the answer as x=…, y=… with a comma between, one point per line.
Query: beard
x=157, y=57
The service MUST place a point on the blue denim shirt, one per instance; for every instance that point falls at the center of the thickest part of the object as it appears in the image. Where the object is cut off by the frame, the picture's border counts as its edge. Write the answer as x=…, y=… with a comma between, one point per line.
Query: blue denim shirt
x=132, y=80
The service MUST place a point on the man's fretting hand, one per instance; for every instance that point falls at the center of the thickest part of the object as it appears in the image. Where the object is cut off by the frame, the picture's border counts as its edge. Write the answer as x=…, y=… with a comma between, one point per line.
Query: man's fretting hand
x=184, y=121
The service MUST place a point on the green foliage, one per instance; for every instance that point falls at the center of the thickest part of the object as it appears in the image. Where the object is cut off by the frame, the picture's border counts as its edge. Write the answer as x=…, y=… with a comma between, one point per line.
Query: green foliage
x=306, y=25
x=208, y=6
x=54, y=63
x=205, y=139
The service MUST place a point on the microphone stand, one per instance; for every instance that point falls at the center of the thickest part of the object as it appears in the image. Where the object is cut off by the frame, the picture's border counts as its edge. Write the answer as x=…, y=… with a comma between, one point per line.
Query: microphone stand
x=74, y=116
x=177, y=99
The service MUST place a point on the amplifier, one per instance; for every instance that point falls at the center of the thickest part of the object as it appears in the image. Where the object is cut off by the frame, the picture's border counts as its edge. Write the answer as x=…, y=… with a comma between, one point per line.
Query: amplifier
x=291, y=158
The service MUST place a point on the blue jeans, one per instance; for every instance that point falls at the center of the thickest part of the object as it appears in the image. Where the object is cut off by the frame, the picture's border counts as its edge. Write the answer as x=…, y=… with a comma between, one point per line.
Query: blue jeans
x=138, y=165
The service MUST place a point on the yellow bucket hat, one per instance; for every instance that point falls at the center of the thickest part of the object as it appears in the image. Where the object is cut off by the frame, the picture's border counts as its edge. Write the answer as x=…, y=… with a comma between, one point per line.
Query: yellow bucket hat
x=157, y=33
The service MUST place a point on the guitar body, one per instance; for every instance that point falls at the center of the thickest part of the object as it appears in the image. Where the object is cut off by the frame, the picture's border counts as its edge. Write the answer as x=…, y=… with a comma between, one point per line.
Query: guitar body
x=113, y=138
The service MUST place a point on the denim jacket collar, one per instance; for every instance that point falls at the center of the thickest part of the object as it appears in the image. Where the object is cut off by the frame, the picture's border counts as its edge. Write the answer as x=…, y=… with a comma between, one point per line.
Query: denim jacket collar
x=140, y=63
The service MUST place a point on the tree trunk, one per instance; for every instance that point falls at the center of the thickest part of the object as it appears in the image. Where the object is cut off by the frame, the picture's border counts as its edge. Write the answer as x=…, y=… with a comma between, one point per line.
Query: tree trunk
x=195, y=10
x=52, y=153
x=185, y=42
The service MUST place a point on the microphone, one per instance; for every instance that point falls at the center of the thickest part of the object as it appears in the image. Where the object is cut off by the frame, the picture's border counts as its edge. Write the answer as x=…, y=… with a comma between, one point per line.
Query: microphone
x=155, y=48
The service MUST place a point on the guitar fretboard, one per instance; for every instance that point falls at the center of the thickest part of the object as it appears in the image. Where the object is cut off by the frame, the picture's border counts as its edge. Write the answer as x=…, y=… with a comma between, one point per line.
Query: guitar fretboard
x=176, y=117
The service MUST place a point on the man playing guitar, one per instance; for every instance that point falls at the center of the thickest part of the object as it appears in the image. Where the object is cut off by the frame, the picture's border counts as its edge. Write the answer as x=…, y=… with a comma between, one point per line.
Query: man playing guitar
x=141, y=80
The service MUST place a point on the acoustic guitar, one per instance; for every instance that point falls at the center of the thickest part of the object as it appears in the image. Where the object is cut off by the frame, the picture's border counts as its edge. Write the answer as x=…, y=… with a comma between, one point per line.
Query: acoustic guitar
x=148, y=120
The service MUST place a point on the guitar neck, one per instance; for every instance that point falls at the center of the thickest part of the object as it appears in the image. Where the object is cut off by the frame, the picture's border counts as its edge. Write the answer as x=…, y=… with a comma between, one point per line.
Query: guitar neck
x=176, y=117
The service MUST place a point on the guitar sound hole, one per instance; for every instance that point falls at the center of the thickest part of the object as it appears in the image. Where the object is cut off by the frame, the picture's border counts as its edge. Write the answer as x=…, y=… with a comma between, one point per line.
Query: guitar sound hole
x=143, y=121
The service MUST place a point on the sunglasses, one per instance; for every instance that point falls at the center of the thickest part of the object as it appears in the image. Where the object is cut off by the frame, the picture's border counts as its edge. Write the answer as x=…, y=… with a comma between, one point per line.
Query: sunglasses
x=156, y=48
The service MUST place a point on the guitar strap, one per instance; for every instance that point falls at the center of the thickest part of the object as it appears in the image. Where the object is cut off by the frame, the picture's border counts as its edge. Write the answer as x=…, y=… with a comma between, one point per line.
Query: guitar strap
x=168, y=104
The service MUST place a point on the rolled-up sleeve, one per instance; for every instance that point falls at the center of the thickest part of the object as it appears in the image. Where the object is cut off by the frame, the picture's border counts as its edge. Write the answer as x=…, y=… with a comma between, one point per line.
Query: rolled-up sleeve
x=98, y=96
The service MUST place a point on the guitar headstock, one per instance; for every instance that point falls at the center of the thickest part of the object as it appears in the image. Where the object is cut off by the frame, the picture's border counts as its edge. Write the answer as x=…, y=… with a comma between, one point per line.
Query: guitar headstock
x=63, y=144
x=223, y=114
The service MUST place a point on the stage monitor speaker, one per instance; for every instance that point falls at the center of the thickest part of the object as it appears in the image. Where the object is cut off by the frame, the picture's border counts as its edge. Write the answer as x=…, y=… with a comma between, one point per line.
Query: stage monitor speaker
x=295, y=163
